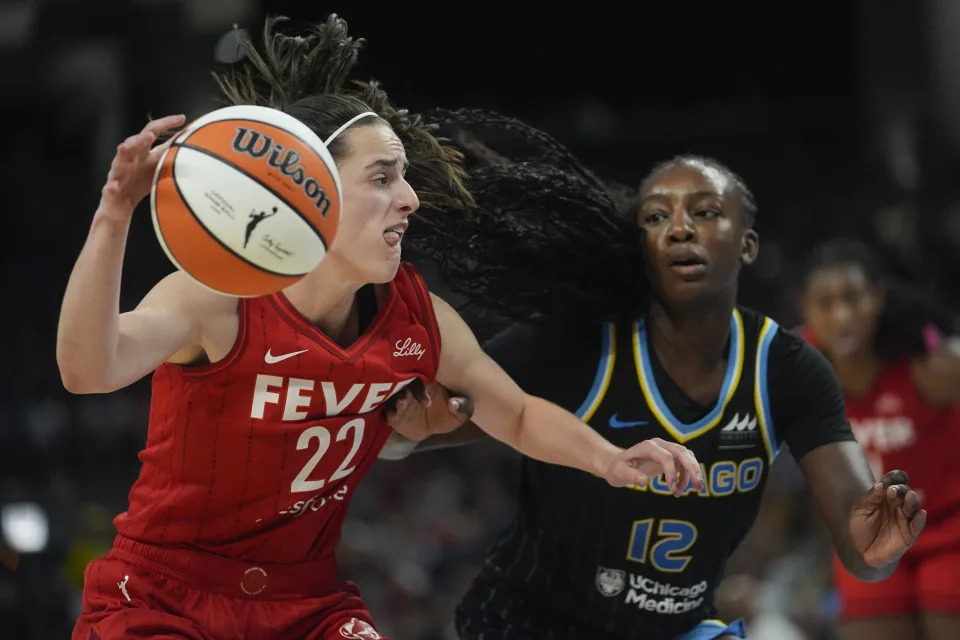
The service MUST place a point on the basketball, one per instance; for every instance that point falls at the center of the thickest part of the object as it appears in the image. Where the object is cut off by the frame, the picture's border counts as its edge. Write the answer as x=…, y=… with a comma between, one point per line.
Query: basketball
x=246, y=200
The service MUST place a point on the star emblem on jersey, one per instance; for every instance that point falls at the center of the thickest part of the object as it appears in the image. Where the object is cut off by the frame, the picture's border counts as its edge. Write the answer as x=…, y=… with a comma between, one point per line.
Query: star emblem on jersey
x=269, y=358
x=616, y=423
x=610, y=582
x=358, y=630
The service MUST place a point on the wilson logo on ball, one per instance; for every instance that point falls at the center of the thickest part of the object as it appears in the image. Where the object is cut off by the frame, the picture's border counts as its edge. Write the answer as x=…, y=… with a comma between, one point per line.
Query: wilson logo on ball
x=257, y=145
x=246, y=200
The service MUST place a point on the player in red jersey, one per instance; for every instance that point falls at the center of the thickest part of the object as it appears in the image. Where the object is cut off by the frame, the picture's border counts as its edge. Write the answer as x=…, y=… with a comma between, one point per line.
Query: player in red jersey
x=267, y=412
x=900, y=379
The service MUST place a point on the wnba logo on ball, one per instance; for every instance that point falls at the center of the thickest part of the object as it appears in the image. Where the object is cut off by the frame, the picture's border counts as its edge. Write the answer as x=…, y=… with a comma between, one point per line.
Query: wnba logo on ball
x=257, y=145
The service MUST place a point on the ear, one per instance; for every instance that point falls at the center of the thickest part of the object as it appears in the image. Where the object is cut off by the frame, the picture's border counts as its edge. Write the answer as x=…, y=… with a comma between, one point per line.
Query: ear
x=749, y=247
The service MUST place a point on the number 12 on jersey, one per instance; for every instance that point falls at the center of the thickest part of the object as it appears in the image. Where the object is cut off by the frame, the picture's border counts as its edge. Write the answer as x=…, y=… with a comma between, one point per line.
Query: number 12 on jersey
x=672, y=539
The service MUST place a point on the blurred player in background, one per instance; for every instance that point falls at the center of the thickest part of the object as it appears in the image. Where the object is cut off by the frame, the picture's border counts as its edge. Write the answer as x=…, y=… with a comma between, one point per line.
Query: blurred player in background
x=895, y=353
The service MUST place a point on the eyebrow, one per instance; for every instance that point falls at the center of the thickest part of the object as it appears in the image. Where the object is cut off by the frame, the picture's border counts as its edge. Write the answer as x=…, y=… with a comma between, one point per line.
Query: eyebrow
x=387, y=163
x=695, y=194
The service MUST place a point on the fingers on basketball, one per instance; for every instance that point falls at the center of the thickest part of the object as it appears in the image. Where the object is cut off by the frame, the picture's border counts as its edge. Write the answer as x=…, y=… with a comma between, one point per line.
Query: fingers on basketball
x=165, y=123
x=157, y=151
x=130, y=154
x=136, y=150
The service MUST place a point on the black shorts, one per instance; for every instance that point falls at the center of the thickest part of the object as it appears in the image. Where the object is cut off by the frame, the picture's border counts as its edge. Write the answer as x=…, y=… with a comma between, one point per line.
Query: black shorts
x=494, y=610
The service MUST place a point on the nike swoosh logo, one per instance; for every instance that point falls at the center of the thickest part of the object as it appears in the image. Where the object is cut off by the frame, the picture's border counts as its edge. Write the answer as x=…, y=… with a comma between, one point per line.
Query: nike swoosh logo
x=617, y=424
x=272, y=359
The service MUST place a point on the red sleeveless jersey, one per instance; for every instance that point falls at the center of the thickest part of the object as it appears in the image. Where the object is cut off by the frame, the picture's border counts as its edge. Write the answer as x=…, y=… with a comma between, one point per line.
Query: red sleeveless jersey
x=257, y=457
x=898, y=429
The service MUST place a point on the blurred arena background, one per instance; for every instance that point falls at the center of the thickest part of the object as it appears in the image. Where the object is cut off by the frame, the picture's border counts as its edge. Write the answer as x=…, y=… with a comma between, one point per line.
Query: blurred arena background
x=844, y=117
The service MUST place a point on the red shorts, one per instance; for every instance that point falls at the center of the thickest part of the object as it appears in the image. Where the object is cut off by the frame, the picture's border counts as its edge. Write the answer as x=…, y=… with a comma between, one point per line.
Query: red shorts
x=926, y=579
x=142, y=591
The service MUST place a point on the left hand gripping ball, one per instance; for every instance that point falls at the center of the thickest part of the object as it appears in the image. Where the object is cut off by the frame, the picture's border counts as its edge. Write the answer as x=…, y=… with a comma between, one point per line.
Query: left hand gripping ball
x=246, y=200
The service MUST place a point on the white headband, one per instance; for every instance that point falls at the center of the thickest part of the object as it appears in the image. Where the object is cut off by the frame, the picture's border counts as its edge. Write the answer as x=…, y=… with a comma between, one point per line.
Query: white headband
x=345, y=125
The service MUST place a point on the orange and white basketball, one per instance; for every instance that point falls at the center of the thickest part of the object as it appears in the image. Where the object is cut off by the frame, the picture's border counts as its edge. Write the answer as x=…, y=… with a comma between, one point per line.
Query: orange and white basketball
x=246, y=200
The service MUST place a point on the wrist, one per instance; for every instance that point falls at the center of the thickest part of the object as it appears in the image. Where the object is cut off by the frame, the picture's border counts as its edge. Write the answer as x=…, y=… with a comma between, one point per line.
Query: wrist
x=112, y=217
x=602, y=457
x=862, y=565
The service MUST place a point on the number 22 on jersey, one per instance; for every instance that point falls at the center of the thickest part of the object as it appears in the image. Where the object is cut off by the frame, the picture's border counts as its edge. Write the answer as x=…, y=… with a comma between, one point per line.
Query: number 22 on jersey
x=352, y=429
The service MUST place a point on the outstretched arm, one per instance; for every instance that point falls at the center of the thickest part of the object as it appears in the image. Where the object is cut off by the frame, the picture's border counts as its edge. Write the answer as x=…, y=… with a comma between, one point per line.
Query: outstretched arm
x=543, y=430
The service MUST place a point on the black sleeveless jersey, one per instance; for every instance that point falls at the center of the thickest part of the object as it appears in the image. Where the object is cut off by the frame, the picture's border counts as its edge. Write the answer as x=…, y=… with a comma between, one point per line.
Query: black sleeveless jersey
x=638, y=562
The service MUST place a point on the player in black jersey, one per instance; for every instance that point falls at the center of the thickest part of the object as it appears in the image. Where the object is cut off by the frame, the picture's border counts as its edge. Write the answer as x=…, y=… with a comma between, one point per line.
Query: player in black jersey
x=633, y=324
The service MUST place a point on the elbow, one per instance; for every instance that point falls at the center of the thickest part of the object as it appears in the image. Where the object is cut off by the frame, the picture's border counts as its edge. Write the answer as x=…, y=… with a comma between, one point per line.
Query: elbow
x=77, y=379
x=78, y=383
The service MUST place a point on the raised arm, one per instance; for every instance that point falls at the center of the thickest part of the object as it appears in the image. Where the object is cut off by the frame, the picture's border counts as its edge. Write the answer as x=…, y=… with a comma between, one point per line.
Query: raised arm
x=543, y=430
x=98, y=348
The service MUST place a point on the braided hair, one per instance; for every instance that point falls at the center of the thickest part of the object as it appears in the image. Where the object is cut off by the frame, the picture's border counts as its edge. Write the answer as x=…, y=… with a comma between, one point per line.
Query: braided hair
x=545, y=237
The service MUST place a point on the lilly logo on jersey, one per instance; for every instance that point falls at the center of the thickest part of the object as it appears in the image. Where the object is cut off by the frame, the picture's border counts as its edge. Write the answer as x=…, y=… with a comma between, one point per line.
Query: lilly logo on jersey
x=408, y=348
x=246, y=141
